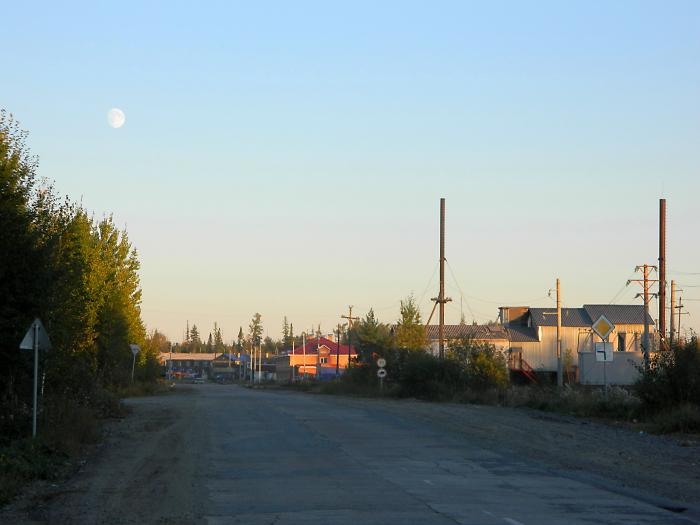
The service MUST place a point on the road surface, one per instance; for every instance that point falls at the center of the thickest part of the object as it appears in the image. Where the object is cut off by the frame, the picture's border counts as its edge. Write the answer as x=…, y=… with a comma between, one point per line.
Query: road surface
x=215, y=454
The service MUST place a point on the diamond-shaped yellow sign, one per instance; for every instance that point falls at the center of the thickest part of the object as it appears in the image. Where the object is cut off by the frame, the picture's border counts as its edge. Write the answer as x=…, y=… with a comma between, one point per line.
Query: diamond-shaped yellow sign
x=603, y=327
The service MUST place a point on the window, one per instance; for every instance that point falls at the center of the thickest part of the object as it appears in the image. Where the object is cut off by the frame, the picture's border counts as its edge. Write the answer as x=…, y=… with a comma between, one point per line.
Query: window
x=621, y=342
x=324, y=360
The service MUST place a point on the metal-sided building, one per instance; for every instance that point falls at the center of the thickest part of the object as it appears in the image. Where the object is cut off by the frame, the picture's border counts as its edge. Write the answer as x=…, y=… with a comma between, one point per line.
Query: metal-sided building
x=533, y=333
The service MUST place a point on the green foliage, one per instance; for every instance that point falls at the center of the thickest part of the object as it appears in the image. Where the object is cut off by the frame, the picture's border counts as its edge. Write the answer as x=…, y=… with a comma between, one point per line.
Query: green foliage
x=371, y=338
x=410, y=332
x=80, y=276
x=255, y=330
x=484, y=366
x=219, y=346
x=673, y=378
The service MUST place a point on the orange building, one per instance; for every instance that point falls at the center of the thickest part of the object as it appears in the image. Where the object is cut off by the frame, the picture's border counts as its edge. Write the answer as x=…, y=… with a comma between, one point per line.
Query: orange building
x=323, y=354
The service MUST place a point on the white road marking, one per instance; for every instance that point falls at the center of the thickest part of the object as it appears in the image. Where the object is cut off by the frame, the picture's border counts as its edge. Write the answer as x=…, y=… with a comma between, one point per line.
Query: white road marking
x=512, y=521
x=428, y=482
x=487, y=512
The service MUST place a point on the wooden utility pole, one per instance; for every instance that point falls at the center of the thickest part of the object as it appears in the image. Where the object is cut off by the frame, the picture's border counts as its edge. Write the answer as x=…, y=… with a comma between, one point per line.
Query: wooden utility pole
x=441, y=299
x=680, y=312
x=337, y=354
x=350, y=319
x=646, y=268
x=560, y=368
x=662, y=271
x=673, y=310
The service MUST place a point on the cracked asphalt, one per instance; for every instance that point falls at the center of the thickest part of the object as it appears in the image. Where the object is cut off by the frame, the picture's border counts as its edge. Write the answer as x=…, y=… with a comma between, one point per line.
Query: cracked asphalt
x=215, y=454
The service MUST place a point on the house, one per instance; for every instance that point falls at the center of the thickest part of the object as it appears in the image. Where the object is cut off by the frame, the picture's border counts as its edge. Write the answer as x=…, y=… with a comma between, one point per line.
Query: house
x=496, y=335
x=532, y=333
x=320, y=354
x=184, y=364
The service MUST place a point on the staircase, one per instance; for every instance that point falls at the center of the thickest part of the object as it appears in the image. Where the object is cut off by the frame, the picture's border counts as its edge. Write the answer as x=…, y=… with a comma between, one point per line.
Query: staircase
x=517, y=364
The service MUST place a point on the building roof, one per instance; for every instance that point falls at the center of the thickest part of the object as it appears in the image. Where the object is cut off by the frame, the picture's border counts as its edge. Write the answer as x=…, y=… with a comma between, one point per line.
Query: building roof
x=455, y=331
x=522, y=334
x=187, y=356
x=586, y=316
x=312, y=345
x=569, y=317
x=618, y=313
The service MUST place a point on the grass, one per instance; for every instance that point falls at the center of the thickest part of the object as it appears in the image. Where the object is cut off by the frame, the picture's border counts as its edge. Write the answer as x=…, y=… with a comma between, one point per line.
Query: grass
x=65, y=429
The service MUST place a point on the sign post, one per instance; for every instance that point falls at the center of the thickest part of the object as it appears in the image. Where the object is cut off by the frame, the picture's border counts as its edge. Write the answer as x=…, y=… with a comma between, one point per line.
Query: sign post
x=603, y=351
x=381, y=373
x=35, y=339
x=135, y=349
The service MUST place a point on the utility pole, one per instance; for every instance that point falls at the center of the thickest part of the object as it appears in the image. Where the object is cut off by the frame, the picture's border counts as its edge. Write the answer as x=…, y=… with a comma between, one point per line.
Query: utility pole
x=560, y=368
x=646, y=268
x=337, y=354
x=291, y=360
x=662, y=271
x=680, y=312
x=350, y=319
x=303, y=342
x=441, y=299
x=673, y=310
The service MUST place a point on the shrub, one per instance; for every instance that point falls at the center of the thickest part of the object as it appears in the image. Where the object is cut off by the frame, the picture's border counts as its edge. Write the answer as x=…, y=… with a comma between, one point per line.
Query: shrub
x=673, y=378
x=483, y=365
x=685, y=418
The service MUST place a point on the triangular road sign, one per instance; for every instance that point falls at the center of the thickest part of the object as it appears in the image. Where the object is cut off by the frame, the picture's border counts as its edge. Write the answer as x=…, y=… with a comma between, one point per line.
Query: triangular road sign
x=28, y=341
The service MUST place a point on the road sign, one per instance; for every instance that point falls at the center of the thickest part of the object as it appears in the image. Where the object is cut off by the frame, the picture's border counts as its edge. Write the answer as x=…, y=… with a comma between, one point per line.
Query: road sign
x=604, y=352
x=135, y=349
x=35, y=339
x=43, y=338
x=603, y=327
x=381, y=373
x=381, y=362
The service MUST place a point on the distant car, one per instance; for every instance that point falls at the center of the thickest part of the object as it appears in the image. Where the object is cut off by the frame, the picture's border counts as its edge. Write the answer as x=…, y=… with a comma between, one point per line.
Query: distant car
x=198, y=381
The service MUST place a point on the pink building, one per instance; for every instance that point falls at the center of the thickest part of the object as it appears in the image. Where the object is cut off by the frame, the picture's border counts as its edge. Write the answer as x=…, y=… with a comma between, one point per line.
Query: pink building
x=321, y=352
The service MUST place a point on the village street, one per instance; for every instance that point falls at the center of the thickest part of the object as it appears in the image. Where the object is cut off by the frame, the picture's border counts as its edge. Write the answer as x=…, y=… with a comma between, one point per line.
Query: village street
x=226, y=454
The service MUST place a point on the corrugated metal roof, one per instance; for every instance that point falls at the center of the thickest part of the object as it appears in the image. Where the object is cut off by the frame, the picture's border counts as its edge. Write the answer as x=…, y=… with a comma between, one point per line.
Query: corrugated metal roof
x=522, y=334
x=455, y=331
x=311, y=346
x=569, y=317
x=618, y=313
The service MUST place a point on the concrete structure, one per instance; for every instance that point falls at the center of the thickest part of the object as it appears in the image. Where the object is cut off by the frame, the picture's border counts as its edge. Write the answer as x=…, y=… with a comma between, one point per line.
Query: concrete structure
x=532, y=334
x=319, y=355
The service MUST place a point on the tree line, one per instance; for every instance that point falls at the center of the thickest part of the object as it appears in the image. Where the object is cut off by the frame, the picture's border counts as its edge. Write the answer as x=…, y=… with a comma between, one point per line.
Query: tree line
x=79, y=275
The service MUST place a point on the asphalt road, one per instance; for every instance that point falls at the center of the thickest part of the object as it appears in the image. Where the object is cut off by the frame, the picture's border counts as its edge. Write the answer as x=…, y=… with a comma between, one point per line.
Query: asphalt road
x=223, y=454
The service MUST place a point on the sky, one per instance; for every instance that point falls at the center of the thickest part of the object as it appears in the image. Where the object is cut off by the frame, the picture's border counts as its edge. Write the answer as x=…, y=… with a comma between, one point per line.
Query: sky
x=288, y=158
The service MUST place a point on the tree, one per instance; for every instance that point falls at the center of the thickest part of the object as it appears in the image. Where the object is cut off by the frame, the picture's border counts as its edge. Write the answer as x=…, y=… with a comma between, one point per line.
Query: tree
x=269, y=346
x=210, y=344
x=371, y=337
x=219, y=346
x=255, y=330
x=195, y=340
x=410, y=332
x=285, y=332
x=240, y=343
x=483, y=365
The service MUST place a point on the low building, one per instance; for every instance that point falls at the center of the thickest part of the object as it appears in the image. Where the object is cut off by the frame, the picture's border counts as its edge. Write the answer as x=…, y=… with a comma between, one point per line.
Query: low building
x=532, y=333
x=320, y=356
x=184, y=364
x=495, y=335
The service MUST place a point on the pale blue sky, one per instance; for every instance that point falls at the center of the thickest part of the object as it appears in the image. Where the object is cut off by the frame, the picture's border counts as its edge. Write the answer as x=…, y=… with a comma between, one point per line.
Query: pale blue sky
x=288, y=158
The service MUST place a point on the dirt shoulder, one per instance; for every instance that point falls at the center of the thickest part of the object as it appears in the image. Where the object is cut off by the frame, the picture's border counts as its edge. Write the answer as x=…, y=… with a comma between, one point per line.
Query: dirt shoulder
x=140, y=473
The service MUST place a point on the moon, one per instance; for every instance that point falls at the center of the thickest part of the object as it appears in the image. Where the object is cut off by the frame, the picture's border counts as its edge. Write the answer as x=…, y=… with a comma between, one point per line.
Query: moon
x=116, y=118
